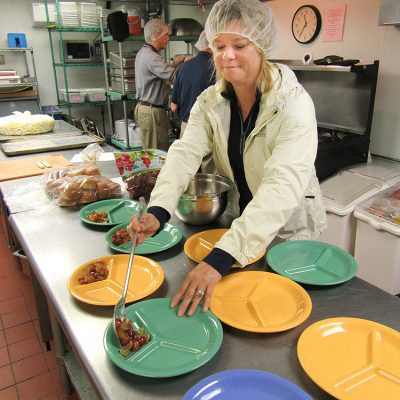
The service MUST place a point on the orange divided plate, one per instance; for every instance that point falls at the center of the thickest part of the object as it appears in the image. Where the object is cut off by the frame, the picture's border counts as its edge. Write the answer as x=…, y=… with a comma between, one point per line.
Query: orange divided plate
x=146, y=277
x=200, y=244
x=352, y=359
x=259, y=301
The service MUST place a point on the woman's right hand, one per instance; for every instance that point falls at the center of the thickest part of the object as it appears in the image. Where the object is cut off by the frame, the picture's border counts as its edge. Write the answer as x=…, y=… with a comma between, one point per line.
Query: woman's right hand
x=148, y=227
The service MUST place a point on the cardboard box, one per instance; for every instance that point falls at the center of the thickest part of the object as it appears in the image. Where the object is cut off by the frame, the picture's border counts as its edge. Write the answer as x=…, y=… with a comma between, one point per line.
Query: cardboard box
x=22, y=93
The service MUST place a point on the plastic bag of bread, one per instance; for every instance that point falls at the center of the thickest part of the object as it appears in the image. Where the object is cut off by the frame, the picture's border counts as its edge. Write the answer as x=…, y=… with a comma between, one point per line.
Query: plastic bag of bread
x=82, y=189
x=89, y=168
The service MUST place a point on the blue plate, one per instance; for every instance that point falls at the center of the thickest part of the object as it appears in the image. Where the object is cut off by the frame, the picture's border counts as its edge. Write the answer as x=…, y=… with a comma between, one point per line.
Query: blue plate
x=249, y=384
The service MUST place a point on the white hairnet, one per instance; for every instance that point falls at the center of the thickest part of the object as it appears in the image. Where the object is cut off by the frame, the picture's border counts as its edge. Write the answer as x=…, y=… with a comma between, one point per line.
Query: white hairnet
x=249, y=18
x=154, y=29
x=202, y=42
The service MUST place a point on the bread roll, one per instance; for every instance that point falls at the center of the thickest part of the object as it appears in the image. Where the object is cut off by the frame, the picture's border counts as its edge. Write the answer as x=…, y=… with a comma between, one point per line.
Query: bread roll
x=67, y=203
x=92, y=170
x=88, y=196
x=75, y=172
x=71, y=191
x=108, y=189
x=53, y=187
x=88, y=183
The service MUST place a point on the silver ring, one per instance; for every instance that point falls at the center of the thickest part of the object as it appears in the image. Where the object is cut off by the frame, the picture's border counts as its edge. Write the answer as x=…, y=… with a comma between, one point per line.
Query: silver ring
x=200, y=292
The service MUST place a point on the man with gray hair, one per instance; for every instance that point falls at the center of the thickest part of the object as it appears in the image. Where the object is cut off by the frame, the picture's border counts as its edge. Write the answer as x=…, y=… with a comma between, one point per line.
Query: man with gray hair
x=151, y=75
x=192, y=78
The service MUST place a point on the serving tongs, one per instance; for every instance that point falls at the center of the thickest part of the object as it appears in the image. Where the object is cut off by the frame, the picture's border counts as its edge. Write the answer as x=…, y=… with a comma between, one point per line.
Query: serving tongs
x=119, y=310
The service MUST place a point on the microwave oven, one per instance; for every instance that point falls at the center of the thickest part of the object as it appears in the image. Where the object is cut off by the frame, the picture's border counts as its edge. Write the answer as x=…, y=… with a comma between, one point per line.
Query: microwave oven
x=81, y=51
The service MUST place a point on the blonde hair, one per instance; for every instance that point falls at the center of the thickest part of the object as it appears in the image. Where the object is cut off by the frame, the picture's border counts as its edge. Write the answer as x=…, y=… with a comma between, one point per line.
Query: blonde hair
x=264, y=79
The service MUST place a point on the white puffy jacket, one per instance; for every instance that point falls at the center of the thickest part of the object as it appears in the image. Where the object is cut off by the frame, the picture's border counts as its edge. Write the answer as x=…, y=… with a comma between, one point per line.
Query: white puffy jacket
x=278, y=158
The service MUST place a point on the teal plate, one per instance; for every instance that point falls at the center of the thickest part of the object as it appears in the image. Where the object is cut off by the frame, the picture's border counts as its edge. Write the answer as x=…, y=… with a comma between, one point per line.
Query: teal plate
x=312, y=262
x=119, y=211
x=167, y=238
x=177, y=344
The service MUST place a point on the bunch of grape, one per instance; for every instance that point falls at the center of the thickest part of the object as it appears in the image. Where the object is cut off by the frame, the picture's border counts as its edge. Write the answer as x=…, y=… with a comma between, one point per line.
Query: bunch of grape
x=131, y=339
x=141, y=184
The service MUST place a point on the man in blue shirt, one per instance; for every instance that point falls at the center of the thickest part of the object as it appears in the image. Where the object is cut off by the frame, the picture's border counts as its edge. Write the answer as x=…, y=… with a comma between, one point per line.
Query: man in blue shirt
x=192, y=78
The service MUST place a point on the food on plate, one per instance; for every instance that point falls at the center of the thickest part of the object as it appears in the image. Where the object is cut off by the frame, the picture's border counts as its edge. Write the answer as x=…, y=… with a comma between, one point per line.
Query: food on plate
x=121, y=237
x=141, y=184
x=99, y=216
x=130, y=339
x=95, y=272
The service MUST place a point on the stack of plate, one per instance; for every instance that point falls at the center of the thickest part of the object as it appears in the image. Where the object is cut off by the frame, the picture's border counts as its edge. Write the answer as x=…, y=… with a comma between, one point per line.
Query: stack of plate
x=88, y=15
x=103, y=13
x=69, y=13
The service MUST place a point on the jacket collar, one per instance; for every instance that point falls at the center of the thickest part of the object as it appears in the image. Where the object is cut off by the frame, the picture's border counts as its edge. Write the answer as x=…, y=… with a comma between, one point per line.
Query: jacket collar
x=151, y=47
x=230, y=94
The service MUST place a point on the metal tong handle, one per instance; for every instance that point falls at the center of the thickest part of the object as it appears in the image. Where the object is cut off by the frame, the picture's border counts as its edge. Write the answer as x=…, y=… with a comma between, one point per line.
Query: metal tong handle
x=140, y=213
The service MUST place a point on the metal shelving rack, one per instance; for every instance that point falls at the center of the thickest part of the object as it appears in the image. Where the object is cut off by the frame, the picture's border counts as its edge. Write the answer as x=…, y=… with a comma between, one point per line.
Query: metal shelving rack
x=31, y=79
x=123, y=96
x=58, y=28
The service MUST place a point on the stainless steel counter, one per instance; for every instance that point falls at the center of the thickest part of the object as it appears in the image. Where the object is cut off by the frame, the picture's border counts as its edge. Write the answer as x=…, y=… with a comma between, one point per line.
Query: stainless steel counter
x=57, y=242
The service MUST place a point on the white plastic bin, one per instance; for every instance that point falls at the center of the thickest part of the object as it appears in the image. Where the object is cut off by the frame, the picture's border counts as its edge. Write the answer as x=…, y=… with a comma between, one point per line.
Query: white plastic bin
x=95, y=94
x=377, y=247
x=387, y=171
x=341, y=193
x=75, y=95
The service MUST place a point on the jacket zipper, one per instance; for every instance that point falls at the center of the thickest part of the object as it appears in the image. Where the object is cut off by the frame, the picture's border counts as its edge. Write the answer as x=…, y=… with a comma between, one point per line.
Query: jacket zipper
x=265, y=122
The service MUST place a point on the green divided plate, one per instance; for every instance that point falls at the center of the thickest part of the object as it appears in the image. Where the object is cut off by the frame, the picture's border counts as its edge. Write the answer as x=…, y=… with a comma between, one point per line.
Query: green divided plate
x=119, y=211
x=167, y=238
x=312, y=262
x=177, y=344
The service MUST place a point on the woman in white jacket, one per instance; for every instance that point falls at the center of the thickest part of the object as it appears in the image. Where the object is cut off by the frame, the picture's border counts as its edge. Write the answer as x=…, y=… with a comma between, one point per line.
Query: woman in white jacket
x=259, y=123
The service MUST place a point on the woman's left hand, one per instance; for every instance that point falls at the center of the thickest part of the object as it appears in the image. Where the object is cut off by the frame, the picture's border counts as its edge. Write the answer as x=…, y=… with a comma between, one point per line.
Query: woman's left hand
x=199, y=284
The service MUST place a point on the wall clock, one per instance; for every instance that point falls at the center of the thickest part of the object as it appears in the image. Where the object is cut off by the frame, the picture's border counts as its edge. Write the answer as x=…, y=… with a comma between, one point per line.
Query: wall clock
x=306, y=24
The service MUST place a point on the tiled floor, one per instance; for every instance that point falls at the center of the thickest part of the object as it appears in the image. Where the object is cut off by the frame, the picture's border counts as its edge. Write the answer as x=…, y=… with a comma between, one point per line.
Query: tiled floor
x=27, y=370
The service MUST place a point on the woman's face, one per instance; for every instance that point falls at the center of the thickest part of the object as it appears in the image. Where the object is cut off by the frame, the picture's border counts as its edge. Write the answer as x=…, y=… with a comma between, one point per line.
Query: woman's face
x=236, y=58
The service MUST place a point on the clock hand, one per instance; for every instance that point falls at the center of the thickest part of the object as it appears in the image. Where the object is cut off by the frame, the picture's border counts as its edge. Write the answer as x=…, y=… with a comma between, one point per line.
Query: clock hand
x=304, y=27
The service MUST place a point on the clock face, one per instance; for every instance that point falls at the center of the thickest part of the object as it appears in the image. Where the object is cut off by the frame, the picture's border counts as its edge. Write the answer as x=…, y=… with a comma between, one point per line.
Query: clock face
x=306, y=24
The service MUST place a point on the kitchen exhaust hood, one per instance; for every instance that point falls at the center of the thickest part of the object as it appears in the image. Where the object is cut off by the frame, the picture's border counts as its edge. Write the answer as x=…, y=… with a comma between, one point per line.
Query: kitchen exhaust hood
x=390, y=12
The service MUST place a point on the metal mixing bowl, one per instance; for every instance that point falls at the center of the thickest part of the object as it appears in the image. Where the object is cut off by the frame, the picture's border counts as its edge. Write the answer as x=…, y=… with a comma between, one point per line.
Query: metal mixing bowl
x=204, y=200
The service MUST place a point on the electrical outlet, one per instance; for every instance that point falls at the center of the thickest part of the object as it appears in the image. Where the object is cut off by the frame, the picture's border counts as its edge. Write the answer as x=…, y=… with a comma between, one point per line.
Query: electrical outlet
x=2, y=60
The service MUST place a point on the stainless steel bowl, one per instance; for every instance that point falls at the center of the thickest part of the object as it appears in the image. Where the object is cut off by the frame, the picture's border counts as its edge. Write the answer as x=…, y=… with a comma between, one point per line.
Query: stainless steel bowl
x=204, y=200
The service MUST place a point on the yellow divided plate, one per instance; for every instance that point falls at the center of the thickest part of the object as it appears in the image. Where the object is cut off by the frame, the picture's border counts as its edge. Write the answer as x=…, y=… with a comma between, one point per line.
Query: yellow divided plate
x=259, y=301
x=146, y=277
x=352, y=359
x=199, y=245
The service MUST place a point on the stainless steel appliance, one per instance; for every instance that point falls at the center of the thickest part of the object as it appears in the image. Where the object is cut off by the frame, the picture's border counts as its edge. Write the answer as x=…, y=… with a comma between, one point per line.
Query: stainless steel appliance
x=81, y=51
x=344, y=103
